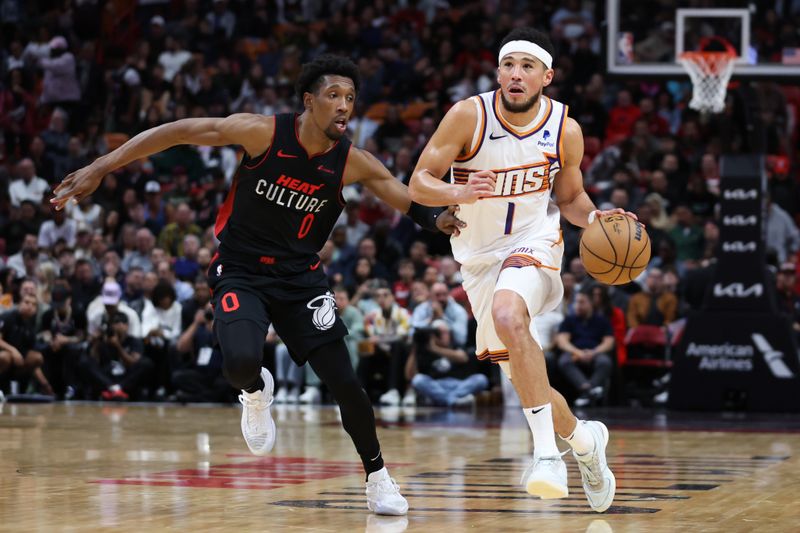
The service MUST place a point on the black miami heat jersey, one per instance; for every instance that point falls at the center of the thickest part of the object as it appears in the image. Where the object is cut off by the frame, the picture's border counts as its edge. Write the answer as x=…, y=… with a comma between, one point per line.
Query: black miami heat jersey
x=284, y=203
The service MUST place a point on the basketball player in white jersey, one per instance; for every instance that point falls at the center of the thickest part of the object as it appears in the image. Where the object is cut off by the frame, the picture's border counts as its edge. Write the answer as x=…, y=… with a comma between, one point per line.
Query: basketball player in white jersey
x=506, y=151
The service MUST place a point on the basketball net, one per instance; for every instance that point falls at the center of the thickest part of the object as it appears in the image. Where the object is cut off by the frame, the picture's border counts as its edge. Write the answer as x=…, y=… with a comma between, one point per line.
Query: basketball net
x=710, y=73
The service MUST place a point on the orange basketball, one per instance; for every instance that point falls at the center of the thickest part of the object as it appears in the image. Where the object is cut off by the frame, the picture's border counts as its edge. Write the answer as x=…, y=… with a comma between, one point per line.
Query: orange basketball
x=615, y=249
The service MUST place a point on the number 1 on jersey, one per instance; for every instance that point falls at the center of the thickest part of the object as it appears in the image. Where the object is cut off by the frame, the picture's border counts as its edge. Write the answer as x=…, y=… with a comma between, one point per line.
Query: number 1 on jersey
x=509, y=218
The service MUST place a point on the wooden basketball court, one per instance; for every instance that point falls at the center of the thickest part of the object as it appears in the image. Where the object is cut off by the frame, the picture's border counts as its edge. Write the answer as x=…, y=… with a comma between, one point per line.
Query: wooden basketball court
x=145, y=467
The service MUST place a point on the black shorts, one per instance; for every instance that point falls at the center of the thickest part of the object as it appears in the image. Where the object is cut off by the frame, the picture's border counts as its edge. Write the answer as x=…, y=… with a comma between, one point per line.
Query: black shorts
x=298, y=302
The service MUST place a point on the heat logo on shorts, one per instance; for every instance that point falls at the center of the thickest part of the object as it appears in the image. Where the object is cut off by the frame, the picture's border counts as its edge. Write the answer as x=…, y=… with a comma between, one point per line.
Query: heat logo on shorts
x=324, y=313
x=517, y=181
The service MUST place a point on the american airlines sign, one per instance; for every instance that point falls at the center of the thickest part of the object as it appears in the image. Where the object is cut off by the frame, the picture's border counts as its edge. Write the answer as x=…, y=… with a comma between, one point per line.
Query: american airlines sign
x=739, y=246
x=739, y=220
x=740, y=194
x=738, y=290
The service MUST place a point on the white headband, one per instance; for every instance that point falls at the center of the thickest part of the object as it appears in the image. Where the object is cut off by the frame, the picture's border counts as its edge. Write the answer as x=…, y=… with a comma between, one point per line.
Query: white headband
x=526, y=47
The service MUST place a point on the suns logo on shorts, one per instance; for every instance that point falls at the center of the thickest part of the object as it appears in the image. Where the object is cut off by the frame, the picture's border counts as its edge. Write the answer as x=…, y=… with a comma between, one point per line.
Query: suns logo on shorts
x=324, y=312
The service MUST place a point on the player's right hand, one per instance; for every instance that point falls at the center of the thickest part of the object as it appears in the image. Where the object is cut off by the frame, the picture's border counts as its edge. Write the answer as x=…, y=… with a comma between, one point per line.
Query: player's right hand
x=479, y=185
x=77, y=185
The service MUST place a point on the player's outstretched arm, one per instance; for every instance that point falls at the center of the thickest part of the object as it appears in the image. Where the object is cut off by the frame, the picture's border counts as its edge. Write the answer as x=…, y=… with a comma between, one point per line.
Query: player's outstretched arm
x=452, y=137
x=571, y=197
x=253, y=132
x=364, y=167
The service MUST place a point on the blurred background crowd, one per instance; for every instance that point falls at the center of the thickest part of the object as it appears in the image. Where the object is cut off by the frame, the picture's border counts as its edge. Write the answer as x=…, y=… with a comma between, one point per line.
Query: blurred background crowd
x=108, y=299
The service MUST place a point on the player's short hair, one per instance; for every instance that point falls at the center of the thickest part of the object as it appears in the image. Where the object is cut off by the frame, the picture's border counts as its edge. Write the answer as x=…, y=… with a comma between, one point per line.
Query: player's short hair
x=310, y=79
x=531, y=35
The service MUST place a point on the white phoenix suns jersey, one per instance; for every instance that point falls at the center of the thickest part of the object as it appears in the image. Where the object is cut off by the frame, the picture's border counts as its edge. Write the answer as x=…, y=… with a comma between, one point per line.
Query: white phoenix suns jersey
x=526, y=161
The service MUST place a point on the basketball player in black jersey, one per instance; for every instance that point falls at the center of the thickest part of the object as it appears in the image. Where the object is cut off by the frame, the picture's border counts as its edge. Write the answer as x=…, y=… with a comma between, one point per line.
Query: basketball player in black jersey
x=283, y=204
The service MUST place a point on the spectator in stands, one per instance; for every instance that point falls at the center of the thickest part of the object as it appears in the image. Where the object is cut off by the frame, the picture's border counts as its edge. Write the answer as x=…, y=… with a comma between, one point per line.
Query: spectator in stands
x=450, y=272
x=782, y=234
x=186, y=266
x=60, y=227
x=16, y=262
x=402, y=284
x=355, y=228
x=601, y=302
x=622, y=117
x=174, y=57
x=56, y=137
x=585, y=339
x=443, y=373
x=288, y=376
x=788, y=299
x=654, y=306
x=698, y=198
x=28, y=187
x=386, y=330
x=18, y=351
x=202, y=295
x=114, y=366
x=155, y=213
x=200, y=377
x=60, y=85
x=62, y=332
x=367, y=250
x=140, y=257
x=567, y=304
x=171, y=237
x=687, y=236
x=441, y=306
x=100, y=311
x=183, y=290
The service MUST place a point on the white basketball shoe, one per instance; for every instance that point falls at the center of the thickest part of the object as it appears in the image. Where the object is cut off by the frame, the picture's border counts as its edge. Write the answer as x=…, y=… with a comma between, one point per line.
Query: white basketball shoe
x=258, y=427
x=546, y=478
x=598, y=480
x=383, y=494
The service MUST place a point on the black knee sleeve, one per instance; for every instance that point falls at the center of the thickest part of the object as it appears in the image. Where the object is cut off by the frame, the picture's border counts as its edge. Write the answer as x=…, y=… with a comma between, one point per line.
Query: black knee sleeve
x=242, y=344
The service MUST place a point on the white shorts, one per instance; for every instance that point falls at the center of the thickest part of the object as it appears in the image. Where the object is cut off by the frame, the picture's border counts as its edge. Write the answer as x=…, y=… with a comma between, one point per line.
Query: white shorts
x=533, y=271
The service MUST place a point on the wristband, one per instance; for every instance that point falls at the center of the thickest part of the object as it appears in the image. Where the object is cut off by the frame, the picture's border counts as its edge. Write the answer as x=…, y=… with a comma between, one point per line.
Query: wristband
x=592, y=217
x=425, y=216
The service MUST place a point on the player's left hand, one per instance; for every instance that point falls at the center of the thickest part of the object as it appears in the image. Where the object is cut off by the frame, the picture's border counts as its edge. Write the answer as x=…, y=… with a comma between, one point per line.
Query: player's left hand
x=447, y=222
x=616, y=211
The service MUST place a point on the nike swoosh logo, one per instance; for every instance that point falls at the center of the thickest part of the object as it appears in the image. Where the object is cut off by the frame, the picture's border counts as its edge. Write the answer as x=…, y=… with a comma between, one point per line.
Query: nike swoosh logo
x=288, y=156
x=492, y=137
x=323, y=169
x=537, y=411
x=315, y=266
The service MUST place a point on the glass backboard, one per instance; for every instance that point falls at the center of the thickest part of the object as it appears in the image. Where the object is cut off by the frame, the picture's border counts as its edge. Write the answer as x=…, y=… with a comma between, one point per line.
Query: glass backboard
x=646, y=37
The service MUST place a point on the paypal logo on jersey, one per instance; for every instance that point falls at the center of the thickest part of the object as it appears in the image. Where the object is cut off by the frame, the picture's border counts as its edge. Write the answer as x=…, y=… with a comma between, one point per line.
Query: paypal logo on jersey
x=543, y=142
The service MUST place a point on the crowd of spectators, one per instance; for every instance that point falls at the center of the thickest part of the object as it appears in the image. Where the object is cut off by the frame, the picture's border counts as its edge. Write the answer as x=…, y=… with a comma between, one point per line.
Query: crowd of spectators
x=108, y=299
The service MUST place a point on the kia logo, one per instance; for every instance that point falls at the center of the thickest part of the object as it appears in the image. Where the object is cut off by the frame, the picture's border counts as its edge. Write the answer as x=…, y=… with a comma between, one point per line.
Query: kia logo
x=739, y=246
x=740, y=194
x=739, y=220
x=738, y=290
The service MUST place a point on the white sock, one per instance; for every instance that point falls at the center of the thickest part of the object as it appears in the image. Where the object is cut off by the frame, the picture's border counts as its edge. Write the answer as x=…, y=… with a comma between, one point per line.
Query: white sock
x=581, y=439
x=540, y=420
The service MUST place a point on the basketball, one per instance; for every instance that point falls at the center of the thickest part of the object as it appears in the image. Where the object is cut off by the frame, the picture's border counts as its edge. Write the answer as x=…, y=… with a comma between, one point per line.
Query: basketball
x=615, y=249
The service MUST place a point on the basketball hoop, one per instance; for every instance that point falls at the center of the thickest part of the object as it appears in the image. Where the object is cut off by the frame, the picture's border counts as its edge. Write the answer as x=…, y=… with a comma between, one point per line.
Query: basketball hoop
x=710, y=72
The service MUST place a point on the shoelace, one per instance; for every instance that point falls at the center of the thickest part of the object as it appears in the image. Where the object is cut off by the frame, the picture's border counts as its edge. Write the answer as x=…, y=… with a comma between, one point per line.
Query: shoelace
x=256, y=406
x=591, y=466
x=386, y=486
x=550, y=459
